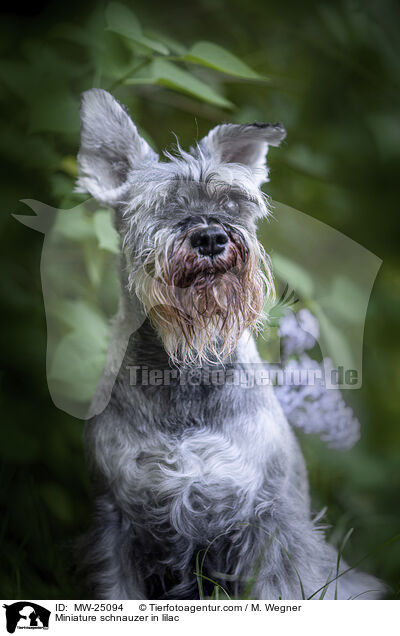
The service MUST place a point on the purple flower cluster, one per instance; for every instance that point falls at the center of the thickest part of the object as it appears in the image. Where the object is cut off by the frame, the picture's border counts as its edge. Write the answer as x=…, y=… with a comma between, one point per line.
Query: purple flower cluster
x=298, y=332
x=313, y=408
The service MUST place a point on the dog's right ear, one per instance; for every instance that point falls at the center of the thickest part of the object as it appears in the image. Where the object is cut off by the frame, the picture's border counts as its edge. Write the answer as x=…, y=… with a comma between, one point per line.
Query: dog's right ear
x=110, y=147
x=246, y=144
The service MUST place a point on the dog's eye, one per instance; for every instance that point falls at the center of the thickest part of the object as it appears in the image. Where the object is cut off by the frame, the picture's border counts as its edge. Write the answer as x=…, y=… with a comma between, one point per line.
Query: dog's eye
x=231, y=206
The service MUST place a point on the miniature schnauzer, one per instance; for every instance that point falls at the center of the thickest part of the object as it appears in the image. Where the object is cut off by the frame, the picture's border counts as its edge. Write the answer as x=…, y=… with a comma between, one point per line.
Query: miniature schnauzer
x=188, y=472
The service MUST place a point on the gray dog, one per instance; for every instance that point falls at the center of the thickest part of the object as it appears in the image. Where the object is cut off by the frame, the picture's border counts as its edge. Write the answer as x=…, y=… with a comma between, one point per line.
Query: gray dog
x=189, y=472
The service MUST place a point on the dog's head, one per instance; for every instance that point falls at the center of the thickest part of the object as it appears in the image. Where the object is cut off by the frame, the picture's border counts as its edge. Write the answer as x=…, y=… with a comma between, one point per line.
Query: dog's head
x=187, y=225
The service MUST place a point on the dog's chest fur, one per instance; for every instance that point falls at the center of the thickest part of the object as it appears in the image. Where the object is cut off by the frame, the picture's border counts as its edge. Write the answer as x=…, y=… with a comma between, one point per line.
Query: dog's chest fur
x=192, y=459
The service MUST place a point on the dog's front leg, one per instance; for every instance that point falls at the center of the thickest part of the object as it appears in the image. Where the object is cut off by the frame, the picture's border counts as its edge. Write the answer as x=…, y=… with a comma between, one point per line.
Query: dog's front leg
x=107, y=552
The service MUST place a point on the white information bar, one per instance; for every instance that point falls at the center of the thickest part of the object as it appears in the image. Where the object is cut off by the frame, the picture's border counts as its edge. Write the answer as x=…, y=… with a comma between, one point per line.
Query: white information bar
x=180, y=617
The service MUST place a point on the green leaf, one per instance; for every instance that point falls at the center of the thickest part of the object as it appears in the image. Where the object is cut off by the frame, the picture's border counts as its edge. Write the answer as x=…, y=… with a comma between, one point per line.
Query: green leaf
x=105, y=232
x=298, y=277
x=346, y=300
x=69, y=165
x=81, y=316
x=139, y=81
x=214, y=56
x=173, y=45
x=74, y=225
x=95, y=261
x=338, y=346
x=151, y=44
x=308, y=161
x=122, y=20
x=78, y=361
x=168, y=74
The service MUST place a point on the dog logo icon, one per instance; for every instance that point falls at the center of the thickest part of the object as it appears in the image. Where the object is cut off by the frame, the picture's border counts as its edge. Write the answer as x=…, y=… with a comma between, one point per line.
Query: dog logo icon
x=26, y=615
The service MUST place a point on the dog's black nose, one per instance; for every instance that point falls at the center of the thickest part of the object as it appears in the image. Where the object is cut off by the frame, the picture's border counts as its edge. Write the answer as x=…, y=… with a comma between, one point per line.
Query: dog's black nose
x=209, y=241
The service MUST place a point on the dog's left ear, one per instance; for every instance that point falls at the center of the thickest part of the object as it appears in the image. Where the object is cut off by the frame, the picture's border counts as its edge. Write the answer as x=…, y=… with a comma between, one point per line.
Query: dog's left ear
x=243, y=143
x=110, y=147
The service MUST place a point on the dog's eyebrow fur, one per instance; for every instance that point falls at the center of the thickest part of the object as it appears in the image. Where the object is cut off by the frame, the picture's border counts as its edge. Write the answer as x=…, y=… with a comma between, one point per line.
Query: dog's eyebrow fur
x=211, y=188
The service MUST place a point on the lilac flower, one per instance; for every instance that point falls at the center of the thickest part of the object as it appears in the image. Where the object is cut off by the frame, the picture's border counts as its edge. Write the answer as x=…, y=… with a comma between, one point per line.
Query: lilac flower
x=310, y=406
x=298, y=332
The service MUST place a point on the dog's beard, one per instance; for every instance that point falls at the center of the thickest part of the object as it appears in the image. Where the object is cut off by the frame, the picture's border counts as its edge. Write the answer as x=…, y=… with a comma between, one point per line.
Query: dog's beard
x=201, y=308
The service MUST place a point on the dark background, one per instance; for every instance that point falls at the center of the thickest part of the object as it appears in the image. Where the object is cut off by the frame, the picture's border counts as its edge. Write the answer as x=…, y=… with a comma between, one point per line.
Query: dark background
x=334, y=72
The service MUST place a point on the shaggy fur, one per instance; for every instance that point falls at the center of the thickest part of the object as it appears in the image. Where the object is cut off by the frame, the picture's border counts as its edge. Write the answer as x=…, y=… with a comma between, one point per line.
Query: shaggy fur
x=188, y=467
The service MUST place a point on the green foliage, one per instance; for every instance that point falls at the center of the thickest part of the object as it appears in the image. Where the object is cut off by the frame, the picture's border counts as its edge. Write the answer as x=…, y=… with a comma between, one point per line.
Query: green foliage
x=123, y=21
x=106, y=234
x=79, y=357
x=214, y=56
x=168, y=74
